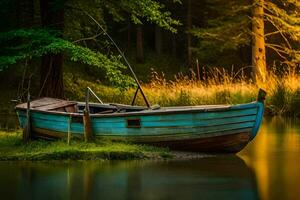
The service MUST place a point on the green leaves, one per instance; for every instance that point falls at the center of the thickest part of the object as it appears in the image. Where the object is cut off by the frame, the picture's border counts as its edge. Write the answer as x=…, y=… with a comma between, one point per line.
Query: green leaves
x=29, y=43
x=150, y=10
x=22, y=44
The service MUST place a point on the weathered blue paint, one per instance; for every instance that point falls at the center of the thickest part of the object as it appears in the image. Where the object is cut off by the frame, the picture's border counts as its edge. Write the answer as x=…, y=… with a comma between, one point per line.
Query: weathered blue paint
x=195, y=128
x=236, y=118
x=258, y=120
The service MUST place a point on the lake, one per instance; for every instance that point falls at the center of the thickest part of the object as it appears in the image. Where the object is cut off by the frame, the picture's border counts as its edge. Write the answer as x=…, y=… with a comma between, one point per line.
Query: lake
x=266, y=169
x=274, y=156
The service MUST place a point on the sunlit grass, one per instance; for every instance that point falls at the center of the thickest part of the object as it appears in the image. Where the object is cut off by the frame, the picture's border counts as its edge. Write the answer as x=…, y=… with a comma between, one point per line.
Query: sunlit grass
x=12, y=148
x=218, y=87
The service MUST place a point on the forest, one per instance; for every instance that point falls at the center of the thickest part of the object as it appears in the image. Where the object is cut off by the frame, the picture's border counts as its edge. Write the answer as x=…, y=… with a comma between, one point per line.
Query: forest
x=185, y=52
x=150, y=99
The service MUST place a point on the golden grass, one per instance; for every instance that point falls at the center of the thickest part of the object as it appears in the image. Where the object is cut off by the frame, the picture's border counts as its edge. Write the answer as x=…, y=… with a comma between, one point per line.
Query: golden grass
x=219, y=87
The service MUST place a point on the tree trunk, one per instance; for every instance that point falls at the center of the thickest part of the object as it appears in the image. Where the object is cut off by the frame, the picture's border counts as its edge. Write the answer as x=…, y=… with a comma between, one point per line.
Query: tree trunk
x=25, y=13
x=174, y=46
x=158, y=40
x=128, y=35
x=189, y=37
x=139, y=44
x=51, y=76
x=51, y=73
x=258, y=42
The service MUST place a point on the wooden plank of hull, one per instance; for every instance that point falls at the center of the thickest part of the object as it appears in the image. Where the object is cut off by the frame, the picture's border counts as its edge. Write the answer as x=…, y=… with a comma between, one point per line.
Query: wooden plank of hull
x=215, y=143
x=232, y=143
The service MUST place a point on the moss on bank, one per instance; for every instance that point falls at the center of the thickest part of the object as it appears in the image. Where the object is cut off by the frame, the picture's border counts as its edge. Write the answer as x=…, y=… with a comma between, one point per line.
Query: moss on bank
x=12, y=149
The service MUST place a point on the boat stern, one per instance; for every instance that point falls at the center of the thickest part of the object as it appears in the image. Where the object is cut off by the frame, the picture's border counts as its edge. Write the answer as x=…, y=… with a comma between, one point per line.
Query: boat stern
x=260, y=113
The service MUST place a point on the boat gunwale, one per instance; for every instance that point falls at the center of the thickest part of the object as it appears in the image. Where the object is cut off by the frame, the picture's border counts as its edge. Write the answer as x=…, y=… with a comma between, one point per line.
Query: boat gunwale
x=161, y=111
x=203, y=119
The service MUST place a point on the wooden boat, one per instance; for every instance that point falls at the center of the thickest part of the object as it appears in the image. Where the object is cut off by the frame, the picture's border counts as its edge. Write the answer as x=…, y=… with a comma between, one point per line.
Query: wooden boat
x=210, y=128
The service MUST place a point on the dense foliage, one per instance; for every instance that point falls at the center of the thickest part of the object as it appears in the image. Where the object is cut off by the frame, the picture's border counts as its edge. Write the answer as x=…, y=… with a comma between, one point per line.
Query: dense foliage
x=230, y=28
x=174, y=33
x=30, y=43
x=48, y=39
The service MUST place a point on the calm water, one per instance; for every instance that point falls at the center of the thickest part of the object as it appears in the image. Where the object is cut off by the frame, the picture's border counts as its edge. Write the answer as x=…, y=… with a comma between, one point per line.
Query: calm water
x=266, y=169
x=274, y=156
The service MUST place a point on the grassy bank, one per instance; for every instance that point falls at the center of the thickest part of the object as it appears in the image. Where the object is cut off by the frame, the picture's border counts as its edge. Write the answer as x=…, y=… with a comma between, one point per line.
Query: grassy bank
x=217, y=87
x=283, y=94
x=12, y=149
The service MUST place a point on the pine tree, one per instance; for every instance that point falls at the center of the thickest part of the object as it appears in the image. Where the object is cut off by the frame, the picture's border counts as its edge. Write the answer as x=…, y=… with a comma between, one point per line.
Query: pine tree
x=258, y=41
x=284, y=16
x=238, y=24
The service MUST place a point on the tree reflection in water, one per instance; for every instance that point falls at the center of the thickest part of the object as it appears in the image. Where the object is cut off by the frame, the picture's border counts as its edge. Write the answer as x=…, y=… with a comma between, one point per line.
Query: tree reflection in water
x=274, y=155
x=273, y=160
x=219, y=177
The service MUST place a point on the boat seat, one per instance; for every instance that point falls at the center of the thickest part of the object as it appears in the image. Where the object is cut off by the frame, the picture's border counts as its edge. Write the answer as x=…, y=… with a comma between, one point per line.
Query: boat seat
x=47, y=103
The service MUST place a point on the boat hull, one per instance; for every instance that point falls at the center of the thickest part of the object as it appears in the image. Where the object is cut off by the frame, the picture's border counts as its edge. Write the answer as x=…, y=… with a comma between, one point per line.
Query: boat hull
x=231, y=143
x=223, y=129
x=223, y=143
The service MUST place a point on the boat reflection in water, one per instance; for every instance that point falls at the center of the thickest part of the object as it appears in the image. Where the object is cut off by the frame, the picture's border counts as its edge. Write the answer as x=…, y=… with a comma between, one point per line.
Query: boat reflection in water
x=221, y=177
x=274, y=157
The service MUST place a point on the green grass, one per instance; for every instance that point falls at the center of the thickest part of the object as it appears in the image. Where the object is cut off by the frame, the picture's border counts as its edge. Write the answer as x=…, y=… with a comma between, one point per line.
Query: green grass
x=12, y=149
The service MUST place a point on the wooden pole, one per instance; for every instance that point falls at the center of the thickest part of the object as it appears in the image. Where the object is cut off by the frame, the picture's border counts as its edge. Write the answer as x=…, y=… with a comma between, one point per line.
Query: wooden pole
x=198, y=69
x=88, y=135
x=27, y=129
x=69, y=129
x=134, y=97
x=93, y=93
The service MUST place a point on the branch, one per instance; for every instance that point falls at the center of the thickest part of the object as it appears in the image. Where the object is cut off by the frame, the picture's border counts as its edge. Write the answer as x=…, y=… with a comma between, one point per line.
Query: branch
x=88, y=38
x=278, y=51
x=280, y=31
x=272, y=33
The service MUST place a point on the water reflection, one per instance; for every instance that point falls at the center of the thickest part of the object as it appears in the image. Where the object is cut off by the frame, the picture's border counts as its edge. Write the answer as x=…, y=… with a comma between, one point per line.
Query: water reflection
x=275, y=157
x=222, y=177
x=271, y=173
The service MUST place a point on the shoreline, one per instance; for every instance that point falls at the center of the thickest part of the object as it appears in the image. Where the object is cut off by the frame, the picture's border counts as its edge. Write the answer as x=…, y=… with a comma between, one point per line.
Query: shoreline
x=13, y=149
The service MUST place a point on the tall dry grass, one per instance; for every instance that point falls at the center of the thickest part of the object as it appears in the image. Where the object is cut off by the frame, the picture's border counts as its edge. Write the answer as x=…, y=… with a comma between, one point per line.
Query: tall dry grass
x=217, y=87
